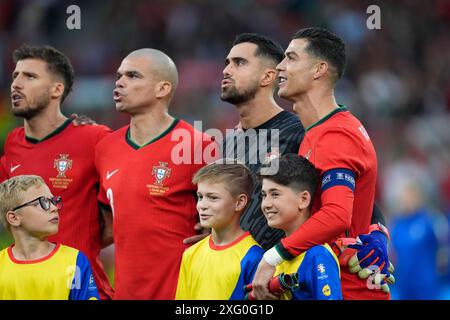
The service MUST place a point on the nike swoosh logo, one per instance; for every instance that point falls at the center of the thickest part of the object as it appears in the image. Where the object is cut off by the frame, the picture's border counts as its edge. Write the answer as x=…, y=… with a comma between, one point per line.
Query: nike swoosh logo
x=109, y=175
x=15, y=167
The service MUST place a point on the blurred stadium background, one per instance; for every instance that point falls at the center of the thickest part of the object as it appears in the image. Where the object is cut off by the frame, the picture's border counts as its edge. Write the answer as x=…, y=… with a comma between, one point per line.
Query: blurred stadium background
x=397, y=82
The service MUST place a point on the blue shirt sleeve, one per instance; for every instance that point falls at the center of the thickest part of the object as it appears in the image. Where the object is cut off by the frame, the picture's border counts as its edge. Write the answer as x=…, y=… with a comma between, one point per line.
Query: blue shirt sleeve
x=83, y=283
x=249, y=264
x=322, y=274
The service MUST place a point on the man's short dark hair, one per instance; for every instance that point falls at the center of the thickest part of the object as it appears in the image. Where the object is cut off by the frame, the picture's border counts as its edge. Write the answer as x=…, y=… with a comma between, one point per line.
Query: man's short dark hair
x=266, y=47
x=325, y=45
x=57, y=63
x=293, y=171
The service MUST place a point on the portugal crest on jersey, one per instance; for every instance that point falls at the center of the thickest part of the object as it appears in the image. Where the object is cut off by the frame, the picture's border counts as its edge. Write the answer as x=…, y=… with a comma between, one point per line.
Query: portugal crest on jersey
x=161, y=172
x=62, y=165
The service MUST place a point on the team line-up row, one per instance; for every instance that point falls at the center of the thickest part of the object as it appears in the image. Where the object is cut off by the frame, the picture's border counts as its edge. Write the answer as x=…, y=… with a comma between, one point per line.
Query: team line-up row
x=299, y=224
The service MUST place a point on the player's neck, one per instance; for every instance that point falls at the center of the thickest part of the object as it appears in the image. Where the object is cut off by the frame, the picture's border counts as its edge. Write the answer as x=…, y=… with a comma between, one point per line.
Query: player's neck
x=257, y=111
x=313, y=106
x=226, y=235
x=31, y=248
x=145, y=127
x=44, y=123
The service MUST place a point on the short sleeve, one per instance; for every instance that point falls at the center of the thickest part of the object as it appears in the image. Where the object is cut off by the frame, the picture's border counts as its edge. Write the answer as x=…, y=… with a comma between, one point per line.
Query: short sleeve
x=249, y=264
x=322, y=274
x=83, y=283
x=183, y=290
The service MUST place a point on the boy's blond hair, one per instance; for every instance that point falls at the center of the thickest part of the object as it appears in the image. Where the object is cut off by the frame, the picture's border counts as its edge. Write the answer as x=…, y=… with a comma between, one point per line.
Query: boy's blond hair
x=236, y=177
x=12, y=192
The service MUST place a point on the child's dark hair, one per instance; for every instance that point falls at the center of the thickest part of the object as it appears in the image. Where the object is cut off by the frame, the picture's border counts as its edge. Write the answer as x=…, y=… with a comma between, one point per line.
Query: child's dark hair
x=293, y=171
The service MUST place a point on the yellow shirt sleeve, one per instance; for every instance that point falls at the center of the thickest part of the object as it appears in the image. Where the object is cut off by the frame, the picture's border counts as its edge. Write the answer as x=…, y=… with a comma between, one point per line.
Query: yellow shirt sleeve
x=183, y=292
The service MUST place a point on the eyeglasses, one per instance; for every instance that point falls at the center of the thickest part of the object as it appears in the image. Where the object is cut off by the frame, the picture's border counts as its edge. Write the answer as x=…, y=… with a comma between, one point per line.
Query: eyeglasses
x=44, y=202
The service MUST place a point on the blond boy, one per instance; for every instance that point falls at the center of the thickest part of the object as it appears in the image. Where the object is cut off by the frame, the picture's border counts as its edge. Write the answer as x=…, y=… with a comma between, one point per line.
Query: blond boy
x=219, y=266
x=32, y=267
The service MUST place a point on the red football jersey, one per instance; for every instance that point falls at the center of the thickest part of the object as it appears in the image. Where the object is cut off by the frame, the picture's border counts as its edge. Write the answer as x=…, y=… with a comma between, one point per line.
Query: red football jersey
x=342, y=151
x=3, y=175
x=153, y=204
x=65, y=160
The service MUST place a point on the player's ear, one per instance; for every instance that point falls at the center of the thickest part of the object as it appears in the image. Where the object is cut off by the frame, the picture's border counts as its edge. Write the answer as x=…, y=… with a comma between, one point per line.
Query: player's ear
x=304, y=200
x=57, y=90
x=268, y=77
x=241, y=202
x=321, y=69
x=163, y=89
x=13, y=218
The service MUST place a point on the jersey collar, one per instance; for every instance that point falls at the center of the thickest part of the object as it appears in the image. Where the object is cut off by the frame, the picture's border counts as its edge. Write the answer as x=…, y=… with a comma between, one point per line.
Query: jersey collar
x=341, y=108
x=135, y=146
x=47, y=257
x=223, y=247
x=51, y=134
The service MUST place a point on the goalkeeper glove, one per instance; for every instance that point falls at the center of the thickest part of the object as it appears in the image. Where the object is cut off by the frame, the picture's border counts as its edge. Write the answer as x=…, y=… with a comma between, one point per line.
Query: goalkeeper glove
x=371, y=258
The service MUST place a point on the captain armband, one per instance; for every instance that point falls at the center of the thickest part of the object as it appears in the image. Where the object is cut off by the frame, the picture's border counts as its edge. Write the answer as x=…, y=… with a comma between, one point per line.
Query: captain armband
x=338, y=177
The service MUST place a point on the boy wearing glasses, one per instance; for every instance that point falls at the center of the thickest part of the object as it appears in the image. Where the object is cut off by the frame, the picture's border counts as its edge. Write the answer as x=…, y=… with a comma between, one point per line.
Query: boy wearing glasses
x=34, y=268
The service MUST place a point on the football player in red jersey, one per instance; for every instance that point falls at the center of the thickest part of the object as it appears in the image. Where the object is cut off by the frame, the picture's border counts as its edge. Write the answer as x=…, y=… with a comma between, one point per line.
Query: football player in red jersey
x=2, y=169
x=51, y=146
x=340, y=148
x=146, y=169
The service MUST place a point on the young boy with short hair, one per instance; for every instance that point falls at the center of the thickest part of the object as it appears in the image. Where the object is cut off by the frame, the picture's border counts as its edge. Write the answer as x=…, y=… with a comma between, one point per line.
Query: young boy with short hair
x=219, y=266
x=287, y=194
x=33, y=268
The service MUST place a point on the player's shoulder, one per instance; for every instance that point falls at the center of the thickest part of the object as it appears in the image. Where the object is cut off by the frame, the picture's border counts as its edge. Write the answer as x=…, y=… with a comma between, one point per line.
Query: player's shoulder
x=179, y=124
x=340, y=119
x=341, y=125
x=91, y=130
x=114, y=136
x=17, y=131
x=15, y=135
x=290, y=118
x=182, y=124
x=290, y=125
x=197, y=137
x=283, y=121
